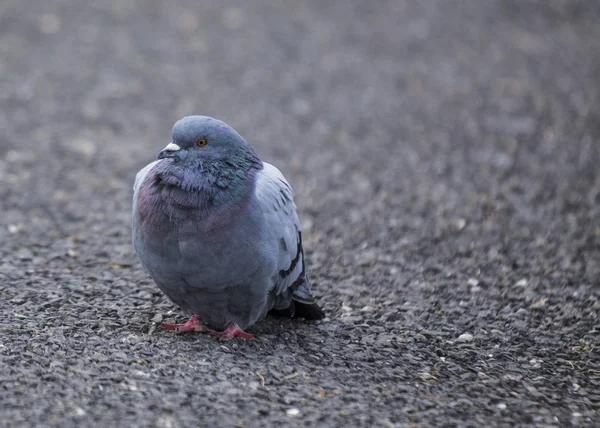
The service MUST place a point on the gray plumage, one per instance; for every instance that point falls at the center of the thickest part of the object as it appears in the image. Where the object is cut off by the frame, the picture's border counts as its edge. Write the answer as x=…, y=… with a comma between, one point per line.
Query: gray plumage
x=217, y=229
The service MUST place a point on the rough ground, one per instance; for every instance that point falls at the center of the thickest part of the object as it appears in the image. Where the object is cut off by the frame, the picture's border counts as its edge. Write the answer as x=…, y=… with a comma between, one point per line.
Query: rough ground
x=445, y=156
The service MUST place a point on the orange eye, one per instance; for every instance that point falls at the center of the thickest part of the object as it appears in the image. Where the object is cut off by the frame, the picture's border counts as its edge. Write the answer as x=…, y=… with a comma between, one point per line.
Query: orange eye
x=201, y=142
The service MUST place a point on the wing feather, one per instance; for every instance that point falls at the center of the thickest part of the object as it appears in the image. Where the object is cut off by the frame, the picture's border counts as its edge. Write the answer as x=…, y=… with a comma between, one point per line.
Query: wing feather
x=141, y=175
x=276, y=199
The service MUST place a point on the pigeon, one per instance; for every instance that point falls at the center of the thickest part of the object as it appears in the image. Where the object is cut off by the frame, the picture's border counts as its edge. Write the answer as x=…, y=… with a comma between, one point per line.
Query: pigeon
x=217, y=230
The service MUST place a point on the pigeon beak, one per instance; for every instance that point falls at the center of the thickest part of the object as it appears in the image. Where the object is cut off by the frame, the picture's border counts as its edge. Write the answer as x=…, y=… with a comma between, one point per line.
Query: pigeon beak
x=170, y=151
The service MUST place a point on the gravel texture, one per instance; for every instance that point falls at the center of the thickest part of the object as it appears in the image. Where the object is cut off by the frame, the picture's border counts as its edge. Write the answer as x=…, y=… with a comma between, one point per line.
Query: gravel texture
x=445, y=158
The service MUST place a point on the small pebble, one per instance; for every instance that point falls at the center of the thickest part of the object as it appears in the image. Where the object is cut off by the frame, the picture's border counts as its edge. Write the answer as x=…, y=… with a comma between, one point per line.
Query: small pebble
x=459, y=223
x=293, y=412
x=501, y=406
x=345, y=308
x=465, y=337
x=521, y=283
x=78, y=411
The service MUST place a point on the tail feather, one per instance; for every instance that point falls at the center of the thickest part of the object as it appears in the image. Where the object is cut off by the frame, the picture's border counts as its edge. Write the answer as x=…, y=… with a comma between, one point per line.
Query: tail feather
x=309, y=311
x=303, y=303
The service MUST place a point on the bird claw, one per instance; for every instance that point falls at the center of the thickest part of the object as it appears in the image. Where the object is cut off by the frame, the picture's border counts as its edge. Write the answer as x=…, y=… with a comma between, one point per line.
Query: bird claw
x=194, y=325
x=231, y=332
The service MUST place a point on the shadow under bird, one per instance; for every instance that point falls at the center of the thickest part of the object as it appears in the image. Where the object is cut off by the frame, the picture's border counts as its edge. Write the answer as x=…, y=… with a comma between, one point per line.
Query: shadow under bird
x=217, y=230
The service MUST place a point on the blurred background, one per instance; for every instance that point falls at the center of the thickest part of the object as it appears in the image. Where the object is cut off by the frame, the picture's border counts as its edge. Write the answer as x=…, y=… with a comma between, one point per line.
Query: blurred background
x=444, y=109
x=444, y=154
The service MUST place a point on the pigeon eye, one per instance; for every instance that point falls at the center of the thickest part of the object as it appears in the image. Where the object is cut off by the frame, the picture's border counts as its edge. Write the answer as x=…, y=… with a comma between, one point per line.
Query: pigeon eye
x=201, y=142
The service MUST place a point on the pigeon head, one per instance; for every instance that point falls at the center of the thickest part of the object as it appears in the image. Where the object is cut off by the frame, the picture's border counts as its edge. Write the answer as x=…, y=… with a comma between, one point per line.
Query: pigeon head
x=207, y=155
x=201, y=139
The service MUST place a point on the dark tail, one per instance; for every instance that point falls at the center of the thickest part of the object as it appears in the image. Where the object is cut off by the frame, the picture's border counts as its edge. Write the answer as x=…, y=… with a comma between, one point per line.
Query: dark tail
x=309, y=311
x=303, y=304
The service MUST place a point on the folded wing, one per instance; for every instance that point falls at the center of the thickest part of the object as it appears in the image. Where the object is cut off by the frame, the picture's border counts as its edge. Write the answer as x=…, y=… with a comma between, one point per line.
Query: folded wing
x=276, y=199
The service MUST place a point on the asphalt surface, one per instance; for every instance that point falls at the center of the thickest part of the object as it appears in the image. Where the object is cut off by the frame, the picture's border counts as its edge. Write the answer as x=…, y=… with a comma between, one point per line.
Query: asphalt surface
x=445, y=158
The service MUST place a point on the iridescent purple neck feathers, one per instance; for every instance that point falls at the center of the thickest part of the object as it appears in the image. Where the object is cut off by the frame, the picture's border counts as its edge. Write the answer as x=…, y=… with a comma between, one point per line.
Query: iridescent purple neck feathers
x=201, y=196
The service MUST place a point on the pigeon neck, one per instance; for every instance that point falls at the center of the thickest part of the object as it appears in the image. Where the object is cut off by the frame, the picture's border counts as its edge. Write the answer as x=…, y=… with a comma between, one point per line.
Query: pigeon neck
x=209, y=182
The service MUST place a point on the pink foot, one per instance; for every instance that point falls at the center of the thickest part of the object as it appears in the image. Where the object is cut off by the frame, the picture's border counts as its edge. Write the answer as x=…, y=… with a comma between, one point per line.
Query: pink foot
x=193, y=325
x=230, y=332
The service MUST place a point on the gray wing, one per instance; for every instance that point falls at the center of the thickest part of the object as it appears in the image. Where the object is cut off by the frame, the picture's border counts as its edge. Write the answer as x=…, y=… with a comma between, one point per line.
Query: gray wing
x=141, y=175
x=139, y=179
x=276, y=199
